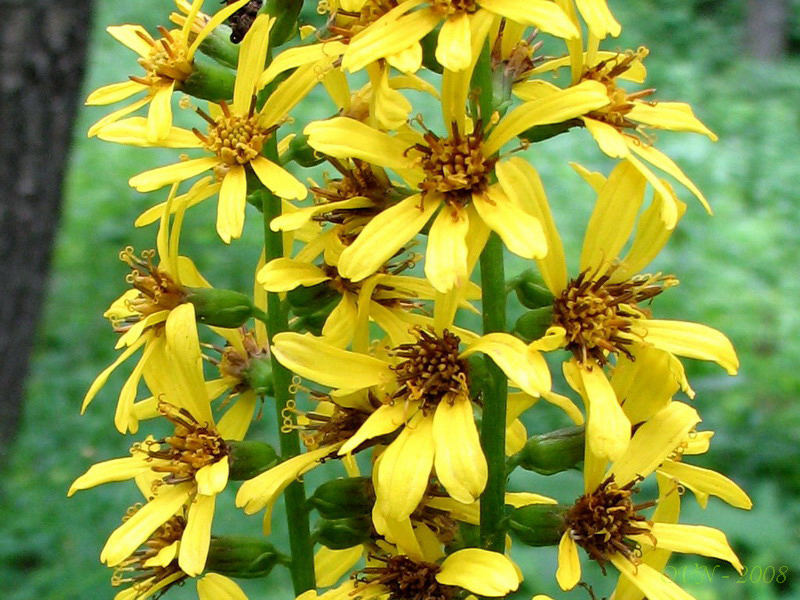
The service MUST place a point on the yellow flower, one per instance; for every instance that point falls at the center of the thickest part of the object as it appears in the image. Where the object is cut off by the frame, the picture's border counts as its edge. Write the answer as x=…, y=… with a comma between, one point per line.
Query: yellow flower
x=454, y=176
x=620, y=127
x=158, y=297
x=606, y=523
x=598, y=315
x=404, y=25
x=236, y=136
x=424, y=392
x=188, y=468
x=167, y=61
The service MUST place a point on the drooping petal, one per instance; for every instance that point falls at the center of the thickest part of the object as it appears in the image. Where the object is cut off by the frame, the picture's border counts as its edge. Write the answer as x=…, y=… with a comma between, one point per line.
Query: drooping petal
x=133, y=132
x=331, y=565
x=479, y=571
x=692, y=340
x=342, y=323
x=284, y=274
x=252, y=56
x=197, y=535
x=446, y=259
x=236, y=421
x=610, y=140
x=132, y=36
x=598, y=18
x=114, y=92
x=102, y=378
x=159, y=113
x=454, y=46
x=524, y=366
x=653, y=584
x=706, y=482
x=692, y=539
x=674, y=116
x=117, y=469
x=547, y=16
x=608, y=431
x=521, y=231
x=232, y=202
x=312, y=358
x=459, y=461
x=568, y=573
x=213, y=586
x=158, y=178
x=278, y=179
x=212, y=479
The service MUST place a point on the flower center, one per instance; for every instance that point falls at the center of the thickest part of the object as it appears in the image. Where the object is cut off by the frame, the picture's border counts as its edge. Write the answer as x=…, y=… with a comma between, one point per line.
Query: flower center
x=597, y=315
x=157, y=290
x=447, y=8
x=406, y=579
x=431, y=370
x=235, y=139
x=455, y=166
x=600, y=522
x=347, y=24
x=326, y=430
x=134, y=570
x=233, y=365
x=606, y=72
x=168, y=60
x=190, y=448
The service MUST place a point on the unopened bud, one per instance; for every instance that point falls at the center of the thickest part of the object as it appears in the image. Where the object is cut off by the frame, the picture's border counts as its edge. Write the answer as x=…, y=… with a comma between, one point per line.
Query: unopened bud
x=219, y=47
x=531, y=290
x=553, y=452
x=243, y=557
x=340, y=498
x=307, y=300
x=258, y=376
x=534, y=323
x=338, y=534
x=209, y=80
x=250, y=458
x=303, y=154
x=221, y=308
x=538, y=524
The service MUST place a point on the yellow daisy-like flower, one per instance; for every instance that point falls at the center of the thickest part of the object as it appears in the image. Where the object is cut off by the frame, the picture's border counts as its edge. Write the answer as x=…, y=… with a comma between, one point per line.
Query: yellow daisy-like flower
x=620, y=127
x=606, y=523
x=167, y=61
x=424, y=385
x=412, y=20
x=598, y=315
x=188, y=468
x=454, y=177
x=236, y=137
x=158, y=296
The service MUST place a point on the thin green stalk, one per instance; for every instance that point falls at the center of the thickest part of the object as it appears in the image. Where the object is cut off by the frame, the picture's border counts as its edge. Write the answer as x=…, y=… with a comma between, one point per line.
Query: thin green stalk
x=302, y=563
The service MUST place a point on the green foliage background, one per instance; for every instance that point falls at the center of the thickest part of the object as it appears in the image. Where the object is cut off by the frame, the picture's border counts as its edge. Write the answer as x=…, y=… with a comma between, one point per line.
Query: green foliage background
x=739, y=273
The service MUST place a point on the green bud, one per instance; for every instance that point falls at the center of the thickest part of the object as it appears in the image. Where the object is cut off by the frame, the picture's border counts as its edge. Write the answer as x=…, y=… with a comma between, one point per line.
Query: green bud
x=534, y=323
x=286, y=13
x=306, y=300
x=429, y=53
x=340, y=498
x=538, y=524
x=218, y=46
x=553, y=452
x=209, y=81
x=479, y=378
x=531, y=290
x=301, y=153
x=541, y=133
x=338, y=534
x=221, y=308
x=250, y=458
x=243, y=557
x=259, y=376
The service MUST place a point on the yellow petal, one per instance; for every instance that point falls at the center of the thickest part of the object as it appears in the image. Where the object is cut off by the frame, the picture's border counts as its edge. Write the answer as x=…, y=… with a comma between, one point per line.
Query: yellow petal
x=113, y=117
x=291, y=91
x=459, y=462
x=547, y=16
x=296, y=219
x=524, y=366
x=341, y=137
x=278, y=179
x=645, y=385
x=479, y=571
x=613, y=218
x=118, y=469
x=236, y=421
x=165, y=556
x=556, y=108
x=707, y=482
x=521, y=232
x=158, y=178
x=405, y=468
x=608, y=431
x=133, y=132
x=520, y=499
x=652, y=583
x=383, y=421
x=232, y=201
x=331, y=565
x=252, y=55
x=611, y=141
x=102, y=378
x=159, y=113
x=114, y=92
x=654, y=442
x=212, y=479
x=454, y=47
x=391, y=107
x=133, y=37
x=197, y=535
x=692, y=539
x=218, y=19
x=284, y=274
x=565, y=404
x=692, y=340
x=568, y=573
x=598, y=18
x=213, y=586
x=674, y=116
x=446, y=259
x=301, y=55
x=384, y=235
x=522, y=184
x=138, y=528
x=341, y=324
x=408, y=60
x=312, y=358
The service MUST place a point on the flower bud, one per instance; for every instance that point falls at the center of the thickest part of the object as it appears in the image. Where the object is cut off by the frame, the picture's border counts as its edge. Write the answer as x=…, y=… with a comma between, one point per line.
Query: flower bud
x=218, y=46
x=209, y=80
x=531, y=290
x=338, y=534
x=312, y=299
x=340, y=498
x=240, y=556
x=303, y=154
x=553, y=452
x=258, y=376
x=534, y=323
x=221, y=308
x=250, y=458
x=538, y=524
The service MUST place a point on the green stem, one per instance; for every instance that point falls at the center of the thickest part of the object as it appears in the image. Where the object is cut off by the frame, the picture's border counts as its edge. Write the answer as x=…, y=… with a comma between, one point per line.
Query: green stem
x=302, y=563
x=493, y=429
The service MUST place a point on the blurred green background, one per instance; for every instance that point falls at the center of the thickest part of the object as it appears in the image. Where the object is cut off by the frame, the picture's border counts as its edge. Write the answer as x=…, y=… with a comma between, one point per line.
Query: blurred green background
x=738, y=272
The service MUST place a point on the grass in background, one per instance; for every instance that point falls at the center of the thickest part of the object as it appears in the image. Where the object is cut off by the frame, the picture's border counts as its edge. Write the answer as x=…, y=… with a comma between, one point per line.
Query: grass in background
x=738, y=272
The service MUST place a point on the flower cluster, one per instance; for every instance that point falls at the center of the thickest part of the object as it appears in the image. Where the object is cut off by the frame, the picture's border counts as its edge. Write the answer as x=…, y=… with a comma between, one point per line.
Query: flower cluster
x=354, y=338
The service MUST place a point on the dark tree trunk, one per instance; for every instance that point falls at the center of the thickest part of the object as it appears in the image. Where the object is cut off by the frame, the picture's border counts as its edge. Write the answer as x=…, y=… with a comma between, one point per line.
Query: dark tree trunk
x=42, y=48
x=767, y=31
